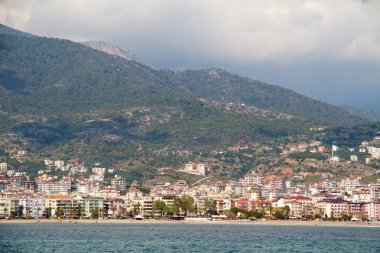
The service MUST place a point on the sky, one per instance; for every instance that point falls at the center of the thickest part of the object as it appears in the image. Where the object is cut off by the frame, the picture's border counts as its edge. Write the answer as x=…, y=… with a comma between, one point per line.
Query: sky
x=326, y=49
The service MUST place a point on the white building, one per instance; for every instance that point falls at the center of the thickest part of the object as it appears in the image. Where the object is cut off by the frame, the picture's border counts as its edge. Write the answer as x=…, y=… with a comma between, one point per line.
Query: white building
x=54, y=186
x=59, y=165
x=372, y=210
x=8, y=205
x=3, y=166
x=195, y=168
x=349, y=184
x=98, y=170
x=354, y=158
x=252, y=179
x=374, y=152
x=32, y=207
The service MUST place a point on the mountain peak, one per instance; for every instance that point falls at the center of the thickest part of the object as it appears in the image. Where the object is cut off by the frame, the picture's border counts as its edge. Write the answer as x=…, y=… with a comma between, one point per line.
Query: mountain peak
x=108, y=48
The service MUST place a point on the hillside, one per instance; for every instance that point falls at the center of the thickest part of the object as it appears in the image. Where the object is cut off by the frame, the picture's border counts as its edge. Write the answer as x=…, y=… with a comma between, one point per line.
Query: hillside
x=220, y=85
x=52, y=78
x=63, y=99
x=370, y=114
x=55, y=70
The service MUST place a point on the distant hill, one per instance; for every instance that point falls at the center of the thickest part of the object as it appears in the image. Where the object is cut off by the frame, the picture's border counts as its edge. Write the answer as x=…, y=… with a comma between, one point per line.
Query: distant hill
x=220, y=85
x=370, y=114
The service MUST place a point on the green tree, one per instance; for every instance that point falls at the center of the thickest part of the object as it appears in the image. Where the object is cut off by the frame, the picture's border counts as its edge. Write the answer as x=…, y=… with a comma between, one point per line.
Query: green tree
x=185, y=203
x=210, y=207
x=159, y=205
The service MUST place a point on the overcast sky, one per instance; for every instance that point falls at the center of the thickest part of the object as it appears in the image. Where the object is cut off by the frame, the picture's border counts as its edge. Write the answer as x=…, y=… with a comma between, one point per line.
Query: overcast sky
x=328, y=50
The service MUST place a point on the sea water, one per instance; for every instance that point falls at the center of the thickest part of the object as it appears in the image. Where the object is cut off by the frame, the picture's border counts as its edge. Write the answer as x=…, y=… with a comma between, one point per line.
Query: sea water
x=177, y=237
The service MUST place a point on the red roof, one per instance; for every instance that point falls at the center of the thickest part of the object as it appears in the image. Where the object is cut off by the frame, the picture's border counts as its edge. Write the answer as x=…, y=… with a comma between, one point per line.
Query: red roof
x=301, y=197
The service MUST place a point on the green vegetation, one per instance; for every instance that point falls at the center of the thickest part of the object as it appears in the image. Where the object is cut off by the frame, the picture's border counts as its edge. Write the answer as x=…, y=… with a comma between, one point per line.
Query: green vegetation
x=305, y=155
x=63, y=100
x=351, y=136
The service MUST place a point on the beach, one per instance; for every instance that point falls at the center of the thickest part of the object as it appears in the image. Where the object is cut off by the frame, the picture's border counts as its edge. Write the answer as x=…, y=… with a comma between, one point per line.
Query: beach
x=198, y=221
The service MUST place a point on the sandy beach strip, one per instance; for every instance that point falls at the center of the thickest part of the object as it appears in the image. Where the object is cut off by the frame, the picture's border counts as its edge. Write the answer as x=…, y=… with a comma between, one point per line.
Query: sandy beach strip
x=198, y=221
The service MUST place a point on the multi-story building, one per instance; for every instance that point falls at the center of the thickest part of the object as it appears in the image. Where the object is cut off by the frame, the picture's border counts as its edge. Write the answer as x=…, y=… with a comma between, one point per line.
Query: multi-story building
x=196, y=168
x=333, y=208
x=49, y=185
x=88, y=204
x=8, y=205
x=3, y=167
x=295, y=208
x=32, y=206
x=372, y=210
x=374, y=192
x=252, y=179
x=223, y=204
x=60, y=205
x=119, y=183
x=275, y=183
x=350, y=184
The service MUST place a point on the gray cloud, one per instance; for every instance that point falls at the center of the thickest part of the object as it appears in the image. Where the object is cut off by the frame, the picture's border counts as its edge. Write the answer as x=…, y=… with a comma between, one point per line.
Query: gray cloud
x=305, y=41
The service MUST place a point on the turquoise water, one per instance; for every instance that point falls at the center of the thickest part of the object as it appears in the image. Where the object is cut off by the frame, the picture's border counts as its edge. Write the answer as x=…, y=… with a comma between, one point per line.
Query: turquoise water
x=184, y=238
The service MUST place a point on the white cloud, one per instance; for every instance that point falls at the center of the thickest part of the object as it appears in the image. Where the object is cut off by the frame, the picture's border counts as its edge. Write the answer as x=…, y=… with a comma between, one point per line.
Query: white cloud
x=237, y=31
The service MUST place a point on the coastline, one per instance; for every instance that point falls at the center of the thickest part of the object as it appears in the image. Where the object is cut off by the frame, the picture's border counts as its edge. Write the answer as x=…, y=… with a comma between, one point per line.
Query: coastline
x=197, y=221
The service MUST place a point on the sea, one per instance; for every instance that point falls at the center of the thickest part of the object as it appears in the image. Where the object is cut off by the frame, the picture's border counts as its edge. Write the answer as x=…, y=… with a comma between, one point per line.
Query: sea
x=179, y=237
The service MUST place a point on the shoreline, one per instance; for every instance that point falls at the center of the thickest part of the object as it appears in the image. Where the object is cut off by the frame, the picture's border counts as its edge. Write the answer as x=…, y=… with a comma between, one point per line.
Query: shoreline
x=198, y=222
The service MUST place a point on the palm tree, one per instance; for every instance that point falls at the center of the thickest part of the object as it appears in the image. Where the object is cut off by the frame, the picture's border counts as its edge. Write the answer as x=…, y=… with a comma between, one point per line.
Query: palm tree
x=38, y=212
x=5, y=210
x=27, y=212
x=113, y=209
x=123, y=211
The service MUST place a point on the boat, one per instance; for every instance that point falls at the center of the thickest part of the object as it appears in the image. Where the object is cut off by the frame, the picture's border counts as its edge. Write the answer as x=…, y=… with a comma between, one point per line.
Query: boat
x=139, y=217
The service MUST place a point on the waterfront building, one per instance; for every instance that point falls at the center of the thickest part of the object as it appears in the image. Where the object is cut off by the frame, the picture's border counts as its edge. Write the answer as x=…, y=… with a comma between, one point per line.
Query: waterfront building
x=32, y=206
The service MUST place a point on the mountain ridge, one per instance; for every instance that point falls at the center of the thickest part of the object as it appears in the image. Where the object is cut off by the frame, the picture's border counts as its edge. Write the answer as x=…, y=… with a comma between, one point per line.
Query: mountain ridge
x=113, y=50
x=77, y=78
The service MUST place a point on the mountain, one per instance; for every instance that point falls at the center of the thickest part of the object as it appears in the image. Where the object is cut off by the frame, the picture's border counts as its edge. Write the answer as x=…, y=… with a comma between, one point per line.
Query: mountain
x=366, y=113
x=49, y=83
x=220, y=85
x=62, y=100
x=113, y=50
x=10, y=31
x=55, y=75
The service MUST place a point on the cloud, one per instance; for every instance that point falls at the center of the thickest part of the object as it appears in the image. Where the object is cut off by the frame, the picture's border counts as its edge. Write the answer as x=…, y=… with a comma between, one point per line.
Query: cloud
x=241, y=31
x=305, y=45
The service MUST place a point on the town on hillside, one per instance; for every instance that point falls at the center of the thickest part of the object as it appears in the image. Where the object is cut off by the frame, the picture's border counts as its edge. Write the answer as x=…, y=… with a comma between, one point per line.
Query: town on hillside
x=305, y=185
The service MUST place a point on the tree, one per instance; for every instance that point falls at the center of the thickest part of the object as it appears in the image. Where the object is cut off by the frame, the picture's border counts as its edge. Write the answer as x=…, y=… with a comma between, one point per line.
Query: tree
x=345, y=216
x=185, y=203
x=229, y=214
x=286, y=211
x=210, y=207
x=27, y=212
x=59, y=212
x=279, y=215
x=113, y=209
x=20, y=211
x=95, y=213
x=48, y=212
x=159, y=205
x=123, y=211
